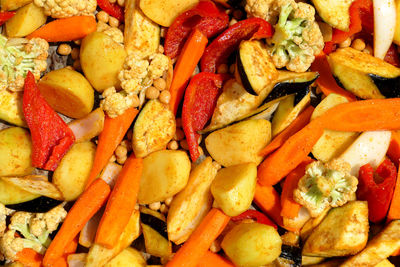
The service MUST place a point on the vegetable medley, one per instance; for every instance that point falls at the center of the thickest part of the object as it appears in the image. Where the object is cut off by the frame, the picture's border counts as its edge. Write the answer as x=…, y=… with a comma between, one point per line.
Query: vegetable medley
x=199, y=133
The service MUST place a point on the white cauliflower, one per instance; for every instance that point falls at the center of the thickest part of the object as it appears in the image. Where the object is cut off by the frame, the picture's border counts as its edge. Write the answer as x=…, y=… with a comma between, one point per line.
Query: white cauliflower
x=17, y=57
x=133, y=75
x=115, y=103
x=261, y=9
x=115, y=33
x=158, y=65
x=67, y=8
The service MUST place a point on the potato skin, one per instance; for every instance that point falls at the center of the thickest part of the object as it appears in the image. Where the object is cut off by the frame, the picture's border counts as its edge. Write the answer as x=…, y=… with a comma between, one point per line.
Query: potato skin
x=70, y=86
x=165, y=173
x=101, y=60
x=73, y=171
x=15, y=152
x=239, y=143
x=25, y=21
x=234, y=187
x=8, y=5
x=252, y=244
x=128, y=257
x=11, y=108
x=12, y=194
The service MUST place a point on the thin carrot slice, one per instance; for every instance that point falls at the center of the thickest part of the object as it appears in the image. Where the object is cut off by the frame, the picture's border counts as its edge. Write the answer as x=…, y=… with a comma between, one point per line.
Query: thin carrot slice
x=326, y=82
x=191, y=253
x=29, y=258
x=290, y=208
x=84, y=208
x=302, y=120
x=394, y=210
x=67, y=29
x=112, y=134
x=394, y=148
x=185, y=65
x=280, y=163
x=268, y=200
x=211, y=259
x=121, y=203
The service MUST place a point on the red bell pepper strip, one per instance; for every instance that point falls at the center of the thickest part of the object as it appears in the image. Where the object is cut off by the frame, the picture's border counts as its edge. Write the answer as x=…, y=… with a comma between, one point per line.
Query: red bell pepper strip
x=205, y=16
x=51, y=136
x=361, y=15
x=255, y=215
x=378, y=194
x=228, y=41
x=112, y=9
x=6, y=15
x=392, y=56
x=198, y=106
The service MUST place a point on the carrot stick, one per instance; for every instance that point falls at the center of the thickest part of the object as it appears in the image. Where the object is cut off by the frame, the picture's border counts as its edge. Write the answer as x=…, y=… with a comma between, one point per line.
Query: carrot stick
x=290, y=208
x=268, y=200
x=112, y=134
x=84, y=208
x=121, y=203
x=326, y=82
x=70, y=249
x=394, y=210
x=68, y=29
x=394, y=148
x=191, y=253
x=293, y=128
x=29, y=258
x=290, y=154
x=365, y=115
x=213, y=259
x=185, y=65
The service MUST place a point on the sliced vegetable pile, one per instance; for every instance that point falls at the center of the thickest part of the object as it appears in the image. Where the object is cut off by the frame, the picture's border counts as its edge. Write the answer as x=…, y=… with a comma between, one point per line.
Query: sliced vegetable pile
x=199, y=133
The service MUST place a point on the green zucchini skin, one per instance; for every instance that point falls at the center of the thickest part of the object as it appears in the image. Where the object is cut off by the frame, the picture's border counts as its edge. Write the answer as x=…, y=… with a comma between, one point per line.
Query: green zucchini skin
x=389, y=87
x=292, y=254
x=38, y=205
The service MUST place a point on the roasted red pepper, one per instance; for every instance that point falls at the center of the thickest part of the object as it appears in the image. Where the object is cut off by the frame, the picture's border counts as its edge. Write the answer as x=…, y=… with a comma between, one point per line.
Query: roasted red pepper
x=205, y=16
x=112, y=9
x=198, y=106
x=6, y=15
x=228, y=41
x=392, y=56
x=254, y=215
x=377, y=188
x=51, y=136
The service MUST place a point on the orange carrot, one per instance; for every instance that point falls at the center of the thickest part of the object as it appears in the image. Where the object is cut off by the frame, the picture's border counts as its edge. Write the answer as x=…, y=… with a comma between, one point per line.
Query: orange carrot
x=191, y=253
x=365, y=115
x=84, y=208
x=326, y=82
x=290, y=154
x=121, y=203
x=268, y=200
x=290, y=208
x=68, y=29
x=293, y=128
x=29, y=258
x=112, y=134
x=212, y=259
x=185, y=65
x=394, y=148
x=394, y=210
x=70, y=249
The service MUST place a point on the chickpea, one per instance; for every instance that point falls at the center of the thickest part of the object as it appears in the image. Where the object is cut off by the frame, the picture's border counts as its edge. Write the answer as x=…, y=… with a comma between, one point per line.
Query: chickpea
x=121, y=2
x=160, y=49
x=164, y=208
x=113, y=158
x=121, y=160
x=112, y=1
x=165, y=96
x=78, y=42
x=179, y=135
x=155, y=206
x=135, y=101
x=113, y=22
x=173, y=145
x=345, y=43
x=152, y=93
x=184, y=144
x=358, y=44
x=232, y=68
x=368, y=49
x=233, y=21
x=75, y=53
x=64, y=49
x=160, y=84
x=168, y=201
x=102, y=16
x=223, y=68
x=121, y=151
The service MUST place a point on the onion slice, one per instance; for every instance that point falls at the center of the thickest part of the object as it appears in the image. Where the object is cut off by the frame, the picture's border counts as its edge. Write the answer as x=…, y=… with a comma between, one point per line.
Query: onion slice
x=88, y=127
x=384, y=26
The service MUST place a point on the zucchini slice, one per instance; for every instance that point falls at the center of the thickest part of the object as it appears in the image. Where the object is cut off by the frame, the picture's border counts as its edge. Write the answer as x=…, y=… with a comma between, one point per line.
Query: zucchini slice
x=334, y=12
x=365, y=76
x=255, y=67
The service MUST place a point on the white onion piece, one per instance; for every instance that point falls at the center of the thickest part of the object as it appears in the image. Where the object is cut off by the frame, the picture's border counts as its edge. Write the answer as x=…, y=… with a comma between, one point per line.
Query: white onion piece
x=110, y=173
x=77, y=260
x=384, y=26
x=88, y=127
x=88, y=233
x=369, y=147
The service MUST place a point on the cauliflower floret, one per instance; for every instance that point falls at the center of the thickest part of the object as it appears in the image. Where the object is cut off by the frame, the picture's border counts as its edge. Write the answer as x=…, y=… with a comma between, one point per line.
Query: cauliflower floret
x=17, y=57
x=158, y=65
x=261, y=9
x=67, y=8
x=3, y=217
x=10, y=245
x=325, y=185
x=133, y=75
x=115, y=103
x=115, y=33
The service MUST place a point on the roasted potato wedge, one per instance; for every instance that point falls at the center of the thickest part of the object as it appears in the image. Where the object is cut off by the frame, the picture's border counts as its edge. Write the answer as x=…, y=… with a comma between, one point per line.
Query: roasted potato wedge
x=25, y=21
x=129, y=257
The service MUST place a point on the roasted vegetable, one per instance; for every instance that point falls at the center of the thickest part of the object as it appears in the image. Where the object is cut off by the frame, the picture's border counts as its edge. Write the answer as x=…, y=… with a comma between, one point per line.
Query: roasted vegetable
x=364, y=75
x=127, y=257
x=166, y=170
x=15, y=152
x=252, y=244
x=334, y=12
x=153, y=129
x=155, y=244
x=40, y=204
x=11, y=194
x=291, y=255
x=350, y=234
x=255, y=68
x=25, y=21
x=8, y=5
x=239, y=143
x=11, y=108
